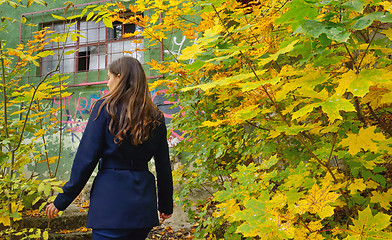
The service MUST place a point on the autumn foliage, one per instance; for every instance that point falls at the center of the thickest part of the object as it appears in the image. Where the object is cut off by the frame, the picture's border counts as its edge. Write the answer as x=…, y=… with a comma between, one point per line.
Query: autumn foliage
x=285, y=110
x=286, y=115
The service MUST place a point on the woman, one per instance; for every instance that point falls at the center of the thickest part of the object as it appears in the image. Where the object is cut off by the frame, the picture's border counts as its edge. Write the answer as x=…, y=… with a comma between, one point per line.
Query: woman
x=124, y=132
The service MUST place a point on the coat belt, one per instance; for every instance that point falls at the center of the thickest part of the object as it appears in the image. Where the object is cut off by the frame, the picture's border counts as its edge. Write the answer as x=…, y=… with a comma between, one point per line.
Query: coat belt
x=135, y=165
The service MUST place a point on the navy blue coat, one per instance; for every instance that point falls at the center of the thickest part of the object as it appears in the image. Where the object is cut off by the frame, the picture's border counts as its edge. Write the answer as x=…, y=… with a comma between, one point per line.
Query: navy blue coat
x=123, y=194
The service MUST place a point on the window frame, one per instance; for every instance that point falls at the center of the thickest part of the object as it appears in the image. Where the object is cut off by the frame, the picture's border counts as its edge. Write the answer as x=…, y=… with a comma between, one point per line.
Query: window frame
x=155, y=53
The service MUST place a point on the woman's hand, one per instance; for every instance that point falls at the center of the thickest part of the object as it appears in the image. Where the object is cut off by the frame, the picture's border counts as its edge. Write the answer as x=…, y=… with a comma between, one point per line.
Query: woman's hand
x=51, y=211
x=164, y=216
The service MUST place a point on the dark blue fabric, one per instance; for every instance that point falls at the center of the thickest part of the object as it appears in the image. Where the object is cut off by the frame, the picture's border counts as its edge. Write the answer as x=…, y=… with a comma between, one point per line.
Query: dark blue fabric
x=121, y=234
x=120, y=198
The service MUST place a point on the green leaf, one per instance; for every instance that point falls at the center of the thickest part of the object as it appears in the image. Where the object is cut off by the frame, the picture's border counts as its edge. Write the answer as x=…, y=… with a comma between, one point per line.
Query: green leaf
x=47, y=190
x=355, y=5
x=42, y=206
x=281, y=51
x=295, y=129
x=298, y=11
x=380, y=179
x=107, y=22
x=334, y=104
x=15, y=215
x=36, y=200
x=338, y=34
x=358, y=84
x=266, y=164
x=367, y=20
x=45, y=54
x=41, y=187
x=195, y=66
x=57, y=189
x=316, y=28
x=313, y=28
x=70, y=52
x=368, y=226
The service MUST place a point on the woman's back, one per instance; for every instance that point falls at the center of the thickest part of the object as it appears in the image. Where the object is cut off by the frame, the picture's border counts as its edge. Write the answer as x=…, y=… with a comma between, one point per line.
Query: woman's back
x=125, y=130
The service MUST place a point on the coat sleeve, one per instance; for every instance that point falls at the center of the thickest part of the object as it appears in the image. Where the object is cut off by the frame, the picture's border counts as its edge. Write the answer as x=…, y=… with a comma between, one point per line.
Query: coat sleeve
x=164, y=173
x=86, y=158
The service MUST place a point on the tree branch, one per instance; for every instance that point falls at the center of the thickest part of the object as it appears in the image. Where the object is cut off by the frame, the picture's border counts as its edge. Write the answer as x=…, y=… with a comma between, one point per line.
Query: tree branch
x=381, y=123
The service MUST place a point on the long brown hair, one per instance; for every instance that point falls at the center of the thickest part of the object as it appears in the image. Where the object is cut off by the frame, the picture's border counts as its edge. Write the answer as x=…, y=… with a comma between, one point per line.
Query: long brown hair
x=131, y=98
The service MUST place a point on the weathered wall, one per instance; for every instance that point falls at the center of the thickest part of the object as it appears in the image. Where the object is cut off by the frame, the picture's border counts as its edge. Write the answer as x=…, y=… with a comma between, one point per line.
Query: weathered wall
x=77, y=106
x=74, y=119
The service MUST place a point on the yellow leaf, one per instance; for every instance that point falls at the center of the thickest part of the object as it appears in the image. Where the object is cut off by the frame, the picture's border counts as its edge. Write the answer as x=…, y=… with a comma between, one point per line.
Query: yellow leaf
x=154, y=18
x=358, y=84
x=279, y=200
x=45, y=54
x=247, y=112
x=315, y=226
x=387, y=6
x=318, y=201
x=370, y=163
x=211, y=35
x=382, y=198
x=372, y=184
x=366, y=139
x=386, y=98
x=226, y=81
x=358, y=184
x=40, y=132
x=376, y=97
x=367, y=226
x=45, y=235
x=300, y=234
x=190, y=52
x=107, y=22
x=212, y=124
x=281, y=51
x=58, y=17
x=316, y=236
x=5, y=220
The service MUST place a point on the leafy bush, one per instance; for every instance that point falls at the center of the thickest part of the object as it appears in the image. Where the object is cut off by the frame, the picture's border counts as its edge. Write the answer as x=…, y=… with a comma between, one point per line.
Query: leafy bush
x=286, y=114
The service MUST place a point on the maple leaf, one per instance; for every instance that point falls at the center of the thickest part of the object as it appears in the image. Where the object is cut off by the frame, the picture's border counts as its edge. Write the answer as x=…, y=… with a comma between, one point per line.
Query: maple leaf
x=382, y=198
x=211, y=34
x=366, y=139
x=292, y=130
x=190, y=52
x=315, y=226
x=368, y=226
x=330, y=105
x=376, y=97
x=358, y=184
x=386, y=98
x=225, y=81
x=358, y=84
x=317, y=201
x=281, y=51
x=334, y=104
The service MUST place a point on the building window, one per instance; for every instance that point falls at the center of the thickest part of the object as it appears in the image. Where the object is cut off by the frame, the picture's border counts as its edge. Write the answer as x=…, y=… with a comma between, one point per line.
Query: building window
x=99, y=46
x=85, y=61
